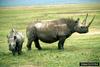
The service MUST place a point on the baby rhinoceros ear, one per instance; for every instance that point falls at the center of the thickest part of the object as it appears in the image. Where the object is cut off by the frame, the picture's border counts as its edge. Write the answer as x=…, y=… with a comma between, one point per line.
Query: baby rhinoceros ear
x=15, y=37
x=7, y=36
x=13, y=30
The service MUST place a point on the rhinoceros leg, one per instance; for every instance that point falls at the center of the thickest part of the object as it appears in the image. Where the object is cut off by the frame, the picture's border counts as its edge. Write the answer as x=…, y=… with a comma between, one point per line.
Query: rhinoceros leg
x=29, y=43
x=19, y=49
x=13, y=52
x=37, y=45
x=61, y=43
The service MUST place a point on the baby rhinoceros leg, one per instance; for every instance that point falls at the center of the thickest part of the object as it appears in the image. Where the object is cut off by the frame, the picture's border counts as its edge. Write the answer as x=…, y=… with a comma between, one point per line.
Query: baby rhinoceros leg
x=13, y=52
x=19, y=48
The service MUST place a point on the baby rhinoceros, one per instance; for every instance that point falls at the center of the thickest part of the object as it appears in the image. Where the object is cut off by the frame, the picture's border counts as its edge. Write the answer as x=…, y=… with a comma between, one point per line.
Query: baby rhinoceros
x=15, y=41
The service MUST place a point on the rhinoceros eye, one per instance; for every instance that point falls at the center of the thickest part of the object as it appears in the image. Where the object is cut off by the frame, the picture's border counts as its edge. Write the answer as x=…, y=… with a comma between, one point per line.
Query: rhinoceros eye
x=14, y=37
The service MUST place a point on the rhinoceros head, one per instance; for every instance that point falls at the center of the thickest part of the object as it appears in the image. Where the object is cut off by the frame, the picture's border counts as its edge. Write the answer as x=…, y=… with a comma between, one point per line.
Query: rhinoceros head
x=83, y=27
x=12, y=40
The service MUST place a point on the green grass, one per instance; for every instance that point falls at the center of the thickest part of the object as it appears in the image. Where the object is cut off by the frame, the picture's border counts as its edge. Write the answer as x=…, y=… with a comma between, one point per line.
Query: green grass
x=78, y=48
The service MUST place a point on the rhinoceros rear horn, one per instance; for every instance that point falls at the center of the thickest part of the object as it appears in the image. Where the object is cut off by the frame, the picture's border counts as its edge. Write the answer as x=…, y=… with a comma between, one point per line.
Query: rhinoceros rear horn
x=84, y=21
x=90, y=22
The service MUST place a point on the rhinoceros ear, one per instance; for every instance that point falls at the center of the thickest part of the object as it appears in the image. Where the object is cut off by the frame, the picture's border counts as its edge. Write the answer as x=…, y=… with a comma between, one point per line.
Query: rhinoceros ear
x=13, y=30
x=77, y=20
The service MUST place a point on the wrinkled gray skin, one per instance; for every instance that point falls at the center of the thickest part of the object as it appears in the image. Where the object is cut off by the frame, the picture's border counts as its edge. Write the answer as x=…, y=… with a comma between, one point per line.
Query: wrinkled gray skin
x=56, y=30
x=15, y=41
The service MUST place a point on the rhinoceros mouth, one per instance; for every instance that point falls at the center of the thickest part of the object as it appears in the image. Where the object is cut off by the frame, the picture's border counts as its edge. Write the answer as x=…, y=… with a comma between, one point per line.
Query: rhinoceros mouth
x=11, y=49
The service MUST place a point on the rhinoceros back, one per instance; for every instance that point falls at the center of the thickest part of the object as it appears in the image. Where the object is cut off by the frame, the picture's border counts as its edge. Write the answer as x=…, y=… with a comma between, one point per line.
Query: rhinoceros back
x=47, y=31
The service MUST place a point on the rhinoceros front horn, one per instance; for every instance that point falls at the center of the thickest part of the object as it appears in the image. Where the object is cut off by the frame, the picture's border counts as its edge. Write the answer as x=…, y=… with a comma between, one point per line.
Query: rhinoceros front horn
x=84, y=21
x=90, y=22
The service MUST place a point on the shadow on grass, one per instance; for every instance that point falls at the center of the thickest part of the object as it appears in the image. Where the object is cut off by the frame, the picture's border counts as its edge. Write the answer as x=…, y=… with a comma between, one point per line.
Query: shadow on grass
x=3, y=57
x=4, y=65
x=53, y=49
x=68, y=48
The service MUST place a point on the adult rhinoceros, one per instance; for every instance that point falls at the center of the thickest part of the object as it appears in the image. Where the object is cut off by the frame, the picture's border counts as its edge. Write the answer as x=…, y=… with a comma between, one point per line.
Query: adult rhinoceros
x=56, y=30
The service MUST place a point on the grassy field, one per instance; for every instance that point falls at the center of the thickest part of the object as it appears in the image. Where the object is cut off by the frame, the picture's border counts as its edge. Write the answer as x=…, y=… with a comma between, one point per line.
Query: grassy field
x=78, y=48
